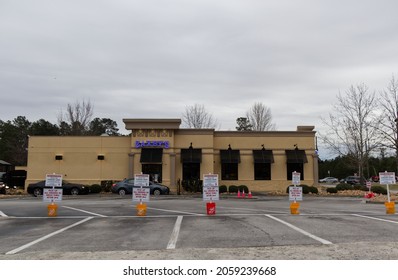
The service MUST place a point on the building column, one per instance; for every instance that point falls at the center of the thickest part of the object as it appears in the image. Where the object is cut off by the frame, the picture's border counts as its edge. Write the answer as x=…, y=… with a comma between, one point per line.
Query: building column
x=316, y=168
x=172, y=170
x=131, y=165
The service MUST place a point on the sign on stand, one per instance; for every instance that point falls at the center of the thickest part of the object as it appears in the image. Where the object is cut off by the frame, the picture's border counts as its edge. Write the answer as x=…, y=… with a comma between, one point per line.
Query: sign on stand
x=141, y=192
x=211, y=190
x=53, y=195
x=296, y=178
x=387, y=178
x=141, y=180
x=295, y=193
x=53, y=180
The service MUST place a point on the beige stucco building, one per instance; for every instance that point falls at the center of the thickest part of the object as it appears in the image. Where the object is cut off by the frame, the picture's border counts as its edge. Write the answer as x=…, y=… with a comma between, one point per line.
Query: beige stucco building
x=263, y=161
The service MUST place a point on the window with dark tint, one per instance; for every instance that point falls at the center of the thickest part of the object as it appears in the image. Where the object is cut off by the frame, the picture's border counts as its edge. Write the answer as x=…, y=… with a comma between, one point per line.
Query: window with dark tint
x=191, y=159
x=229, y=164
x=262, y=164
x=153, y=155
x=295, y=160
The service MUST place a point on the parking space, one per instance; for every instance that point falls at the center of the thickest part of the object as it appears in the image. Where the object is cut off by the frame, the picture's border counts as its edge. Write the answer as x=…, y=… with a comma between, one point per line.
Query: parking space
x=89, y=224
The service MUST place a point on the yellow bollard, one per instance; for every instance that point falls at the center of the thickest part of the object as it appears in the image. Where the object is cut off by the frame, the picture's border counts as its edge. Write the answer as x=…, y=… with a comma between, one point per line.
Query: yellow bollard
x=294, y=206
x=141, y=209
x=52, y=209
x=390, y=207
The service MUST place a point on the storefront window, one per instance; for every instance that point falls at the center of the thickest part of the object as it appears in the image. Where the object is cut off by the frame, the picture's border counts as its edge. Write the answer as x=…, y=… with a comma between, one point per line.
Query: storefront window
x=229, y=171
x=298, y=167
x=262, y=171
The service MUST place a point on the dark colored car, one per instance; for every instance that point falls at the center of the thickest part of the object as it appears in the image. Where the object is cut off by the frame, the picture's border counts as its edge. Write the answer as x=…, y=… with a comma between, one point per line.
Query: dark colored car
x=126, y=187
x=353, y=180
x=2, y=185
x=68, y=188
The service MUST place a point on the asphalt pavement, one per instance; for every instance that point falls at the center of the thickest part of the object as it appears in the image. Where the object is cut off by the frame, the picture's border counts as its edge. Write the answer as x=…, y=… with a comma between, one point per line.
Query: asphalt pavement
x=107, y=227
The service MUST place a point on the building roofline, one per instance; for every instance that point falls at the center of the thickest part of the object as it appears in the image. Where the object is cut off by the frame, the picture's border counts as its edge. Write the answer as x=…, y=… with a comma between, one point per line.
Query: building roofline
x=152, y=123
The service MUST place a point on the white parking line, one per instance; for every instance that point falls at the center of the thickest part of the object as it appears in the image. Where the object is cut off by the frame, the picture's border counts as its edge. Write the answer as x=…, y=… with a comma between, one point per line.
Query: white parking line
x=12, y=252
x=174, y=211
x=2, y=214
x=373, y=218
x=323, y=241
x=84, y=211
x=174, y=235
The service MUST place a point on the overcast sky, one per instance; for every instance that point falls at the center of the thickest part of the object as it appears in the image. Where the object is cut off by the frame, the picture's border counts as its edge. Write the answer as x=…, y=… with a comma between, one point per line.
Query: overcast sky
x=152, y=58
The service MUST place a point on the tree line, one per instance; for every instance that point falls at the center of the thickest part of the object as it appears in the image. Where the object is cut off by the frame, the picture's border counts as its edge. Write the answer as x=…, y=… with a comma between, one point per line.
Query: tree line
x=363, y=126
x=77, y=120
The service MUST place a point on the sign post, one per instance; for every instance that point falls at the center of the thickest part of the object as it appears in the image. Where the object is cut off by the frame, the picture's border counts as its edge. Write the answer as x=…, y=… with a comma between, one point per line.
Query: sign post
x=52, y=195
x=387, y=178
x=295, y=193
x=141, y=194
x=211, y=192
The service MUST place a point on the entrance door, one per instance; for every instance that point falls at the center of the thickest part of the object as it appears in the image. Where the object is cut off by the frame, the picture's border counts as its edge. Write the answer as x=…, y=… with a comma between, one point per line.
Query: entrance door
x=154, y=171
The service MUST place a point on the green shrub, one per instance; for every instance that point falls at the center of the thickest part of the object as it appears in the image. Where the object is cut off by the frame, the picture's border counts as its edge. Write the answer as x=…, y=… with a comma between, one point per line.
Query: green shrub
x=233, y=189
x=331, y=190
x=344, y=187
x=306, y=189
x=223, y=189
x=379, y=190
x=243, y=188
x=95, y=188
x=313, y=190
x=193, y=185
x=360, y=187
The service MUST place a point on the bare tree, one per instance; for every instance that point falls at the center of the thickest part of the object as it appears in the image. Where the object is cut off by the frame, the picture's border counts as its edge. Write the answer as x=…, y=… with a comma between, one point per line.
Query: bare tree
x=389, y=123
x=196, y=116
x=352, y=126
x=260, y=117
x=77, y=116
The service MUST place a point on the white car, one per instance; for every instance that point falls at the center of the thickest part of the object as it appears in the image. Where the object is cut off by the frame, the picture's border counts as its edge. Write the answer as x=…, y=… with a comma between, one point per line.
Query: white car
x=330, y=180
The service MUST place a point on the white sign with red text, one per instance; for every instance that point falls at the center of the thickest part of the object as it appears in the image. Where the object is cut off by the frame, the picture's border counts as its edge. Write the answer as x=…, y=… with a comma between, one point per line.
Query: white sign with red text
x=52, y=195
x=53, y=180
x=387, y=178
x=141, y=180
x=295, y=193
x=141, y=194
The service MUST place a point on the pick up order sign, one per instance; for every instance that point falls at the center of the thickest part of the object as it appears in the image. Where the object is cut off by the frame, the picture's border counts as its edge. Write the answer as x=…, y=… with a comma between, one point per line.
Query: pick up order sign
x=141, y=194
x=52, y=195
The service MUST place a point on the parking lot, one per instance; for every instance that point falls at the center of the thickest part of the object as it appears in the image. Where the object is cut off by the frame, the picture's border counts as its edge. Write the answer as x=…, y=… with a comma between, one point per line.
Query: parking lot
x=94, y=227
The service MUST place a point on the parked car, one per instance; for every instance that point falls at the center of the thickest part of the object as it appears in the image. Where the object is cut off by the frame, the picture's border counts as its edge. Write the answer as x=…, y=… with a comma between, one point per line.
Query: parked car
x=2, y=185
x=353, y=180
x=126, y=187
x=329, y=180
x=68, y=188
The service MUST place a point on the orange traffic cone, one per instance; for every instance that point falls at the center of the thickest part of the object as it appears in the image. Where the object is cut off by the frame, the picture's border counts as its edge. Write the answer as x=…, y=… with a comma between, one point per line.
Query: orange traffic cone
x=238, y=193
x=243, y=194
x=250, y=195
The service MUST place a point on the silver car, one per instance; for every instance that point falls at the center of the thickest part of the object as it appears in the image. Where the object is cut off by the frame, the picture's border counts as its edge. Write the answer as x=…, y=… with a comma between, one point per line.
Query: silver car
x=329, y=180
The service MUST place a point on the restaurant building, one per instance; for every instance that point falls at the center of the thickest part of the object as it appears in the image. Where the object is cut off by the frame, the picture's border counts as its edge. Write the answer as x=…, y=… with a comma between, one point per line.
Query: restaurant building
x=261, y=160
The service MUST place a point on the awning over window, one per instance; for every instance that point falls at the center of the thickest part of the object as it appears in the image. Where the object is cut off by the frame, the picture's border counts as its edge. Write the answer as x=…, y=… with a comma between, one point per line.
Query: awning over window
x=296, y=156
x=263, y=156
x=230, y=156
x=151, y=155
x=191, y=155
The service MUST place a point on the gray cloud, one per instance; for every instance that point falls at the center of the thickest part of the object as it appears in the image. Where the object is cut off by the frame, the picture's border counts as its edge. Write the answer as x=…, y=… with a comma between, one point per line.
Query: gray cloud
x=153, y=58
